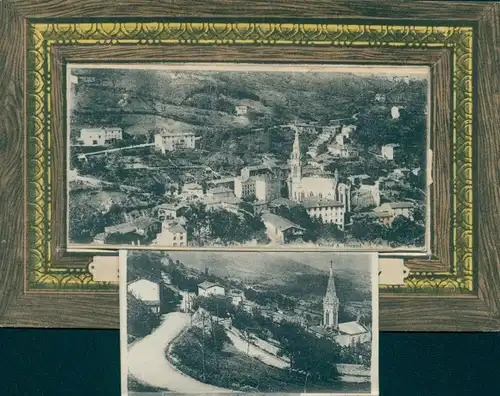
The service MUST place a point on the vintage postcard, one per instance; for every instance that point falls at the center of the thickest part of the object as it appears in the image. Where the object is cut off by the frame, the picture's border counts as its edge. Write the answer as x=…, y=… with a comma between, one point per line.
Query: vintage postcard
x=248, y=322
x=244, y=156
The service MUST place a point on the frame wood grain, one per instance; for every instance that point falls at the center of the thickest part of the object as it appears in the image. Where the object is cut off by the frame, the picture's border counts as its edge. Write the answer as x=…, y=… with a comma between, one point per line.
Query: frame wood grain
x=479, y=311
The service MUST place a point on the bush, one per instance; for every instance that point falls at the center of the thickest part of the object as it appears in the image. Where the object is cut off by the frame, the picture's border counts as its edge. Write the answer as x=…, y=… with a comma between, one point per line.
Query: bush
x=141, y=320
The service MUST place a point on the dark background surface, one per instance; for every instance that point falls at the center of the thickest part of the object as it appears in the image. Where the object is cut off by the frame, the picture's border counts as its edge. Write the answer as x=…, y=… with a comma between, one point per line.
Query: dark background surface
x=86, y=362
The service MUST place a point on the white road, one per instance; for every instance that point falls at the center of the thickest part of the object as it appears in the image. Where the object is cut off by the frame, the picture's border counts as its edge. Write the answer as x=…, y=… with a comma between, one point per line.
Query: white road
x=265, y=357
x=147, y=362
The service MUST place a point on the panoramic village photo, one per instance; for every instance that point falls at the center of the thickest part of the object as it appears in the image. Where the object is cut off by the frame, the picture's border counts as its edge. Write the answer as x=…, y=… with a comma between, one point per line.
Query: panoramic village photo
x=216, y=322
x=247, y=156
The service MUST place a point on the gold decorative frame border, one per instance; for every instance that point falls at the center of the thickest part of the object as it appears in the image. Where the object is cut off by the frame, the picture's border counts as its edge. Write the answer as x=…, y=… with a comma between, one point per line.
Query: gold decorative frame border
x=43, y=36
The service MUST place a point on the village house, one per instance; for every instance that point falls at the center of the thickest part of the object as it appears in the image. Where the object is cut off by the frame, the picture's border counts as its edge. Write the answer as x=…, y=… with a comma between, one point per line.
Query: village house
x=394, y=209
x=388, y=151
x=146, y=291
x=168, y=140
x=280, y=230
x=220, y=193
x=327, y=210
x=395, y=113
x=237, y=297
x=206, y=289
x=99, y=136
x=172, y=234
x=313, y=151
x=100, y=238
x=191, y=190
x=347, y=130
x=383, y=217
x=369, y=190
x=259, y=206
x=146, y=226
x=331, y=129
x=140, y=227
x=343, y=151
x=289, y=203
x=169, y=211
x=400, y=173
x=187, y=300
x=241, y=110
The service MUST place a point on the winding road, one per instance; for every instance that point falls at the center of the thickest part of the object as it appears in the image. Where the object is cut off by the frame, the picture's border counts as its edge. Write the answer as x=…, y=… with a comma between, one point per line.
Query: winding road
x=147, y=362
x=253, y=351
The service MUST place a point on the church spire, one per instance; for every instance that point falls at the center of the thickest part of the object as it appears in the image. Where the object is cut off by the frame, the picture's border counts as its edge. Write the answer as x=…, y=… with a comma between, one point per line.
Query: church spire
x=331, y=292
x=295, y=167
x=296, y=142
x=331, y=303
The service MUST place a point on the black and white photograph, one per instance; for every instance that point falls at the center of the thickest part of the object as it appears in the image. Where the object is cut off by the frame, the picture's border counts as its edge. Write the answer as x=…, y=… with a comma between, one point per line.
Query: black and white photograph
x=248, y=156
x=210, y=322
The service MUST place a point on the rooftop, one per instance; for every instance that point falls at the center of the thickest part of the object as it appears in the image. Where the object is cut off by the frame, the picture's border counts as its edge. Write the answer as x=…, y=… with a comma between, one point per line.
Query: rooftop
x=279, y=222
x=390, y=145
x=219, y=189
x=399, y=205
x=283, y=201
x=176, y=229
x=207, y=285
x=91, y=130
x=144, y=222
x=170, y=206
x=165, y=132
x=352, y=328
x=123, y=228
x=320, y=203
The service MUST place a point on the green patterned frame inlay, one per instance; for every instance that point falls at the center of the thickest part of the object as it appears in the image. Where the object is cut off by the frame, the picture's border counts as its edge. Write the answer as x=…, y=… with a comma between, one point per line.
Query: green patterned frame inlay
x=42, y=36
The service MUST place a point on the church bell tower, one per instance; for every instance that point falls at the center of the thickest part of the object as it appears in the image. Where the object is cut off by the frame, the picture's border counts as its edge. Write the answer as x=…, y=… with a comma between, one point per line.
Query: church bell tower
x=331, y=304
x=295, y=167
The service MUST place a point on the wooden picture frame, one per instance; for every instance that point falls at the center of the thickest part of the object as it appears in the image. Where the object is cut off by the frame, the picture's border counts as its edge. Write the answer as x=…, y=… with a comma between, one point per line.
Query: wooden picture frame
x=457, y=289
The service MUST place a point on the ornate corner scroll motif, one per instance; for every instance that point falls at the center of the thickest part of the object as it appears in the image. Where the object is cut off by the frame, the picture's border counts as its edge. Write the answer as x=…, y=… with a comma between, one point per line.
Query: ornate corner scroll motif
x=45, y=35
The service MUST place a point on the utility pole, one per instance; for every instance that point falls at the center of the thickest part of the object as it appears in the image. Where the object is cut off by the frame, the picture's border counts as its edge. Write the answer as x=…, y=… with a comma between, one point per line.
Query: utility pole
x=203, y=344
x=305, y=383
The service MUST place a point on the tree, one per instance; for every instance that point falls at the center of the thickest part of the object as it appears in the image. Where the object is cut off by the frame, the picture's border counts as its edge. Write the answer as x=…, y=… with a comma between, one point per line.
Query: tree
x=318, y=357
x=158, y=189
x=405, y=231
x=144, y=265
x=204, y=186
x=368, y=229
x=141, y=320
x=220, y=306
x=169, y=299
x=250, y=198
x=197, y=221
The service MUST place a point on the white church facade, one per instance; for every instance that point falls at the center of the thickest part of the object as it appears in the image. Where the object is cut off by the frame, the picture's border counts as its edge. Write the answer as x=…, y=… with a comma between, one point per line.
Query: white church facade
x=310, y=189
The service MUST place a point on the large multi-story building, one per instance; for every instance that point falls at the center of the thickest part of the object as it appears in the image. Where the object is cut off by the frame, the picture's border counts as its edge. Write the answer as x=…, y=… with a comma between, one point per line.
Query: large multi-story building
x=262, y=181
x=326, y=210
x=168, y=140
x=99, y=136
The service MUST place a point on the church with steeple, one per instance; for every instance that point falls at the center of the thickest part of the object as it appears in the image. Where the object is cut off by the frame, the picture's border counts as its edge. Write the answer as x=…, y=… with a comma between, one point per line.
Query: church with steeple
x=324, y=197
x=331, y=303
x=345, y=333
